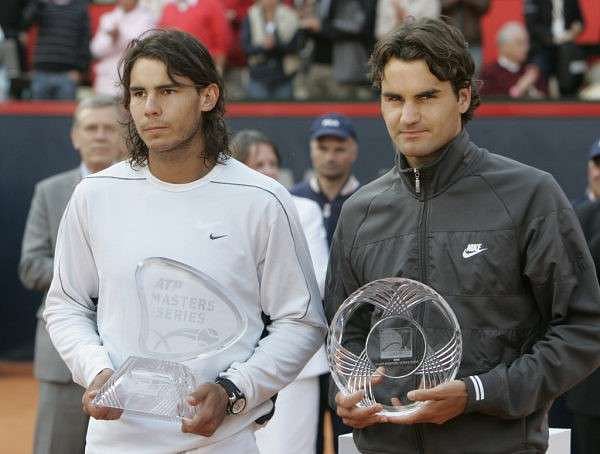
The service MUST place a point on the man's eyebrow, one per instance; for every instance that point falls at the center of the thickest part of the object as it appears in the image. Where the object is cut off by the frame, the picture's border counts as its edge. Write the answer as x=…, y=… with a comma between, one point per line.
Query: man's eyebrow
x=432, y=91
x=159, y=87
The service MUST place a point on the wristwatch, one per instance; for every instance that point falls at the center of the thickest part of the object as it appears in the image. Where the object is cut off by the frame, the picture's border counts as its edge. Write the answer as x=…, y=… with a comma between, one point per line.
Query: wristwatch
x=237, y=400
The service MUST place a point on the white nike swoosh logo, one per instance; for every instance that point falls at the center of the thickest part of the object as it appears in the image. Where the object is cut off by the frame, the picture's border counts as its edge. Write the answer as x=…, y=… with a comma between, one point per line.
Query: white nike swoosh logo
x=466, y=254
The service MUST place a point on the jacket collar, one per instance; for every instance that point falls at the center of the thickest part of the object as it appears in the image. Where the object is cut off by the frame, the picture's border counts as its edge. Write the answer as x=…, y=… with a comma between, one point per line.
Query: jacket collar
x=457, y=156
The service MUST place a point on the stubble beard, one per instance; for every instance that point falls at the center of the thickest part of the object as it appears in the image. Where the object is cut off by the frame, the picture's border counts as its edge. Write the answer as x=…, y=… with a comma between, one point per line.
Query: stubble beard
x=178, y=150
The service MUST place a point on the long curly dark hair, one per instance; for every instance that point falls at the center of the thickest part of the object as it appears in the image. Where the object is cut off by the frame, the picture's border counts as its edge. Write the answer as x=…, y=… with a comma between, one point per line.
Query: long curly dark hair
x=441, y=45
x=183, y=56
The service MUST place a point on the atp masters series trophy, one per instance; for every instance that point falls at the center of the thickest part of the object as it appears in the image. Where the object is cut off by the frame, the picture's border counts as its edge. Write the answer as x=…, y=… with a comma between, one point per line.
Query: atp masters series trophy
x=392, y=336
x=186, y=316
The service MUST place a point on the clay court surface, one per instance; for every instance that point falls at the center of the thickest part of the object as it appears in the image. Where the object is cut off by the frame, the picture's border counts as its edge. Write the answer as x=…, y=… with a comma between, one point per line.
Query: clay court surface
x=18, y=395
x=18, y=398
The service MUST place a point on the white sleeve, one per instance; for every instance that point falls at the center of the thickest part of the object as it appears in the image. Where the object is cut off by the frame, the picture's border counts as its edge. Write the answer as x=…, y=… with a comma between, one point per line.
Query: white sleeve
x=311, y=219
x=425, y=8
x=70, y=312
x=290, y=297
x=102, y=44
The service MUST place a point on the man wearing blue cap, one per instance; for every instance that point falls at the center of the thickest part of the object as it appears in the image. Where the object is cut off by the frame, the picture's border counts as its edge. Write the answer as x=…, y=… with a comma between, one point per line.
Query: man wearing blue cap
x=333, y=150
x=592, y=191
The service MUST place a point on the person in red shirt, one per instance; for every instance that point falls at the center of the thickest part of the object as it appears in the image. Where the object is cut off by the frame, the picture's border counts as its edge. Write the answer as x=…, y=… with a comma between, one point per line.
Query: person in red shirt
x=205, y=20
x=510, y=75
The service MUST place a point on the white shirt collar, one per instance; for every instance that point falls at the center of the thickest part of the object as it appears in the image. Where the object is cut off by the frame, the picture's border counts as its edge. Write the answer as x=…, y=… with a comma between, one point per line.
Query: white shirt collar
x=84, y=170
x=351, y=185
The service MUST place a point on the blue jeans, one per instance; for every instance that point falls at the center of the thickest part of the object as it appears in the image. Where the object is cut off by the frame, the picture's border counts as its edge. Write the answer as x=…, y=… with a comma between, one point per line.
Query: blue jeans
x=280, y=91
x=47, y=85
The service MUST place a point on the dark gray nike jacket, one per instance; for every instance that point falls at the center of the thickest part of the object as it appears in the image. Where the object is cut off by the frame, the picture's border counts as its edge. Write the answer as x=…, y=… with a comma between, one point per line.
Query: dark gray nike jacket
x=500, y=242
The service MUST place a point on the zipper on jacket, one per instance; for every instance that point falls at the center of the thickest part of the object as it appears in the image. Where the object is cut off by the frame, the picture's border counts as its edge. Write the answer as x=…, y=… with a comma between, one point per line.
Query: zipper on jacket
x=417, y=181
x=421, y=193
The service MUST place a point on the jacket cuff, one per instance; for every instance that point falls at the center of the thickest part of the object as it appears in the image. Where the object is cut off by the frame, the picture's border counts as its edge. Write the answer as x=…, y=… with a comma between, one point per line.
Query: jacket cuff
x=477, y=392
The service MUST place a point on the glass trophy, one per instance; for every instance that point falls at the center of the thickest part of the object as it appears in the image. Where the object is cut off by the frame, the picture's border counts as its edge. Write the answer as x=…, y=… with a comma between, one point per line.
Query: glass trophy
x=185, y=316
x=149, y=387
x=392, y=336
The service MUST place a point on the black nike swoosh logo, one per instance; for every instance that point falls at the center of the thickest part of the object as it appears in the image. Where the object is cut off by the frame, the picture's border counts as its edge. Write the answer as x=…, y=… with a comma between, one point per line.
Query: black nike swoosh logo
x=212, y=236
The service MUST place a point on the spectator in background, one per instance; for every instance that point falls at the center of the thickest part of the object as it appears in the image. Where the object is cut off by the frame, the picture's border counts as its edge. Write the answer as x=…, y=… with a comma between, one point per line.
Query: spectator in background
x=297, y=404
x=117, y=28
x=592, y=192
x=509, y=75
x=333, y=150
x=351, y=29
x=11, y=23
x=553, y=27
x=270, y=40
x=584, y=399
x=236, y=74
x=591, y=92
x=96, y=134
x=62, y=55
x=466, y=16
x=341, y=34
x=203, y=19
x=391, y=13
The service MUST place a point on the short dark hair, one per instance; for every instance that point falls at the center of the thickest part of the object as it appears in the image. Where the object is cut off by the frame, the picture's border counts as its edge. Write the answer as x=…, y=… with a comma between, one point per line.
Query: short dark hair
x=244, y=140
x=441, y=45
x=184, y=56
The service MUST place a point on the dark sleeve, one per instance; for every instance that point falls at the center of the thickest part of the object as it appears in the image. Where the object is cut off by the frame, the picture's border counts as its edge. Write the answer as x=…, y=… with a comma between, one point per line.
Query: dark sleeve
x=539, y=33
x=589, y=218
x=290, y=47
x=84, y=42
x=562, y=279
x=246, y=40
x=341, y=281
x=573, y=13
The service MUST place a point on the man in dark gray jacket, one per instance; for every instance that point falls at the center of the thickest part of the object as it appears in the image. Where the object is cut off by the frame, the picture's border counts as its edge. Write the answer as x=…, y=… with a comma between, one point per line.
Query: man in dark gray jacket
x=498, y=239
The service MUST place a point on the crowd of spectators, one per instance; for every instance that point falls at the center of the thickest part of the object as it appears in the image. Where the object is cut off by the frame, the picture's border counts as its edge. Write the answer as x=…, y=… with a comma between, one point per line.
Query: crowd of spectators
x=284, y=49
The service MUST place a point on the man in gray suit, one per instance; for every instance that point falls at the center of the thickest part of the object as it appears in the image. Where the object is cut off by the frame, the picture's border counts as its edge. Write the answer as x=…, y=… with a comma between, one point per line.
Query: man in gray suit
x=96, y=134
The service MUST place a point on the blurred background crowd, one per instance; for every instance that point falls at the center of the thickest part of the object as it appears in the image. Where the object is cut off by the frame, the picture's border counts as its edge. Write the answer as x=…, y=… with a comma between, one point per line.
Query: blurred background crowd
x=297, y=49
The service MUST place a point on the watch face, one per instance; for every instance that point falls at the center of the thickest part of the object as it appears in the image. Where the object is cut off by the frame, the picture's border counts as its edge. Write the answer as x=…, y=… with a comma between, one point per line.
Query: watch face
x=238, y=406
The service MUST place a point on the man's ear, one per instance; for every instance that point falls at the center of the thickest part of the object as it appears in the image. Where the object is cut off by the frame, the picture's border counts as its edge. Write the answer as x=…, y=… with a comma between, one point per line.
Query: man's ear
x=464, y=99
x=75, y=137
x=209, y=96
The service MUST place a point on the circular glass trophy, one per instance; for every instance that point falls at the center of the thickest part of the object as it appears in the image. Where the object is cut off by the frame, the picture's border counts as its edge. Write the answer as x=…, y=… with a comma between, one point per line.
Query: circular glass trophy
x=392, y=336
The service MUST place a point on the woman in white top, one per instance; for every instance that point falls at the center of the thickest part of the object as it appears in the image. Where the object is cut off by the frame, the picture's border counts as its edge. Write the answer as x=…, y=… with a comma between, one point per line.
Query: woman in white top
x=293, y=428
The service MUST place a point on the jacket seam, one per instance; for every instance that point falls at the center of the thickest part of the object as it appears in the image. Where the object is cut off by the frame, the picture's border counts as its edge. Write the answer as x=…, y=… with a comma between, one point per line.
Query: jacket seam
x=370, y=243
x=367, y=211
x=306, y=280
x=500, y=199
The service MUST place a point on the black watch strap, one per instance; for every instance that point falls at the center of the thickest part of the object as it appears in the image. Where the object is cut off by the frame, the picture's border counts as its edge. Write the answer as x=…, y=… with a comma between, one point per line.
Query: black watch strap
x=237, y=400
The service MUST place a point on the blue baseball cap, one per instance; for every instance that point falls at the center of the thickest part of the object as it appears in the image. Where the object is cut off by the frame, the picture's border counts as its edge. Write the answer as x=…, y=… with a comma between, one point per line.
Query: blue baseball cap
x=332, y=125
x=595, y=150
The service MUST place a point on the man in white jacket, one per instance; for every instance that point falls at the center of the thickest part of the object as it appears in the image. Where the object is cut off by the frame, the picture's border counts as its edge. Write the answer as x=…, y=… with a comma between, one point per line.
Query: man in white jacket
x=179, y=197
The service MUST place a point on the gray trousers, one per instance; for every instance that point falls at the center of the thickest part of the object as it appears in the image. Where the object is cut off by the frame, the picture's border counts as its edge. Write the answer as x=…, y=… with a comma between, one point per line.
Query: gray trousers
x=61, y=424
